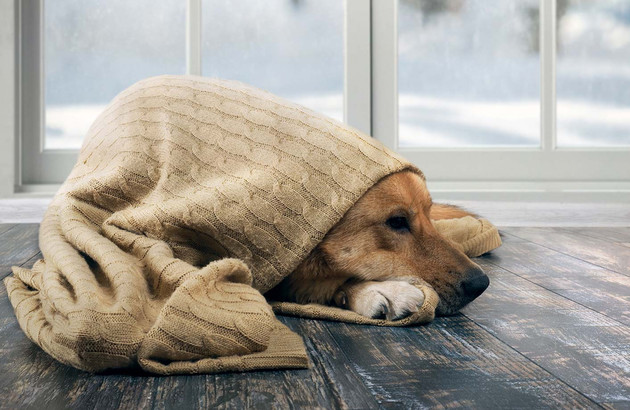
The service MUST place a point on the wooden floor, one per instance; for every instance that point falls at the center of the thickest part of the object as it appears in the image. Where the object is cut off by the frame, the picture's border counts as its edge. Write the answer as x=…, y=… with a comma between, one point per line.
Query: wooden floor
x=552, y=330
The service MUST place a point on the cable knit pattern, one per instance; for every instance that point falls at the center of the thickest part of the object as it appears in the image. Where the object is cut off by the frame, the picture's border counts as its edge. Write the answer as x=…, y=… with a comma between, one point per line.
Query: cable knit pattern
x=472, y=236
x=191, y=198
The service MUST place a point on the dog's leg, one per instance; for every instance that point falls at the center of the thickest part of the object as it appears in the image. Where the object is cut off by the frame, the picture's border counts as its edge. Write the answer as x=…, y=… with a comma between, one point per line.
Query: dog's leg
x=390, y=299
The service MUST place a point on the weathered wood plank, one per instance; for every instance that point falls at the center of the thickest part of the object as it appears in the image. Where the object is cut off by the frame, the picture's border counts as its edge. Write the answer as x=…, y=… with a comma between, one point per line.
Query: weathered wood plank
x=6, y=310
x=5, y=227
x=599, y=252
x=587, y=350
x=449, y=363
x=595, y=287
x=32, y=378
x=610, y=234
x=566, y=350
x=17, y=245
x=317, y=387
x=527, y=256
x=622, y=405
x=506, y=237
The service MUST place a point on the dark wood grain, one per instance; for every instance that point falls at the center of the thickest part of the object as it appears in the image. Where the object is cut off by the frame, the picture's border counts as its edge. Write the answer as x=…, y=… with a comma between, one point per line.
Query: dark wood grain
x=610, y=234
x=6, y=227
x=451, y=363
x=17, y=245
x=6, y=311
x=32, y=378
x=595, y=287
x=600, y=252
x=584, y=348
x=616, y=405
x=552, y=331
x=323, y=386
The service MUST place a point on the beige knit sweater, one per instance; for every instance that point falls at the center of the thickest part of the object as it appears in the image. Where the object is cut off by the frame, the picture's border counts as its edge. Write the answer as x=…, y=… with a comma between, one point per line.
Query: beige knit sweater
x=191, y=198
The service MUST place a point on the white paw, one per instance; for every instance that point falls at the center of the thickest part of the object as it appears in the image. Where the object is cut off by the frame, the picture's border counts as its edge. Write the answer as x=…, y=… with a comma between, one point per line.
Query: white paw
x=390, y=299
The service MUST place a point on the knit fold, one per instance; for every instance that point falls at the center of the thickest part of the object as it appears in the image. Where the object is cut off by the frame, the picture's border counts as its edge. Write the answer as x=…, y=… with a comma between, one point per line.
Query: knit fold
x=471, y=235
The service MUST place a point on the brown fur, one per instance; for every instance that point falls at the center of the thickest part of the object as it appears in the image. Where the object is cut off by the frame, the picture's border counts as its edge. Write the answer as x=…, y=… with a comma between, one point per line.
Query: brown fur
x=363, y=248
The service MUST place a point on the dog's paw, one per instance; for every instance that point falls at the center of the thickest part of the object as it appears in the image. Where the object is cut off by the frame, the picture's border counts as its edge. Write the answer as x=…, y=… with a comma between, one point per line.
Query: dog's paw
x=390, y=299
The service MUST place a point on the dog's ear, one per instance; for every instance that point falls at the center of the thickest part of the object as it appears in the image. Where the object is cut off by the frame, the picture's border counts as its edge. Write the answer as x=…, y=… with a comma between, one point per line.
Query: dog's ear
x=445, y=211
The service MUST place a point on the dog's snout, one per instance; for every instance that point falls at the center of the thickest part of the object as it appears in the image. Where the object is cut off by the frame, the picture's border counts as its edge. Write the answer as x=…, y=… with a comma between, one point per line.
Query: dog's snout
x=475, y=283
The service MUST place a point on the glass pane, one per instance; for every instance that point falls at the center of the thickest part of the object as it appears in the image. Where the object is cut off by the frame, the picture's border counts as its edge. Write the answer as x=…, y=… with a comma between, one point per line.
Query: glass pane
x=593, y=73
x=292, y=48
x=468, y=73
x=95, y=49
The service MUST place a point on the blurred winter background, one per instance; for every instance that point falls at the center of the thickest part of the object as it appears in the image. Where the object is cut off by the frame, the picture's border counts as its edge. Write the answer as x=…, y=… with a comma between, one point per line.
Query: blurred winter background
x=94, y=49
x=469, y=73
x=468, y=69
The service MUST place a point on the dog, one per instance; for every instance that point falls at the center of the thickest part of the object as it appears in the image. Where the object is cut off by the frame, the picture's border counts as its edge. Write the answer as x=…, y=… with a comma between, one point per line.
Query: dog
x=370, y=259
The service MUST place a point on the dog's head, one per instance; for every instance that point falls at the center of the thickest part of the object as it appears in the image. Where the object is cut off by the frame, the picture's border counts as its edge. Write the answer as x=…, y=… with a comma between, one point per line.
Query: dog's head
x=388, y=233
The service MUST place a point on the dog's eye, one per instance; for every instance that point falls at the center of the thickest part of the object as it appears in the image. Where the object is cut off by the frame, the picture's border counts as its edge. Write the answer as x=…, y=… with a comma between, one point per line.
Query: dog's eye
x=398, y=223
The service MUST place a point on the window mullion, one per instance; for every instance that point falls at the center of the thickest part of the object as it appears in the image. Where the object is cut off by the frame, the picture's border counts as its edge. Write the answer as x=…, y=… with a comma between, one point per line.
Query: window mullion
x=193, y=37
x=548, y=74
x=384, y=17
x=357, y=71
x=32, y=114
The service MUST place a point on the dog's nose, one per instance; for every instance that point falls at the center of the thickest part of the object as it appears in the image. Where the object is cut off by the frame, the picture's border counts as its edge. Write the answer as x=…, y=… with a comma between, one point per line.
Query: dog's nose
x=476, y=283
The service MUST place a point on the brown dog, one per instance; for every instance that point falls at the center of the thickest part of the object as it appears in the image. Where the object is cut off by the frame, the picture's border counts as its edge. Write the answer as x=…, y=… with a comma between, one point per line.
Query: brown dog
x=368, y=260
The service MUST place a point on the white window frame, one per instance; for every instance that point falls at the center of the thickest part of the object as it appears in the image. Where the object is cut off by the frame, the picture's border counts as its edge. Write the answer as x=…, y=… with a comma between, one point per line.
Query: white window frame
x=547, y=172
x=43, y=169
x=8, y=98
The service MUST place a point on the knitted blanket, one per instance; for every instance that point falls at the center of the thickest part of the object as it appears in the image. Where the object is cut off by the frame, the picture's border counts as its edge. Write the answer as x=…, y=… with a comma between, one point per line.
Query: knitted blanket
x=190, y=199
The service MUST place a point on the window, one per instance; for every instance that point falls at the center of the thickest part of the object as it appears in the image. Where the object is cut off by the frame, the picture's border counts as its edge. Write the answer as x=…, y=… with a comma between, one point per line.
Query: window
x=468, y=73
x=78, y=54
x=95, y=49
x=472, y=91
x=593, y=73
x=291, y=48
x=477, y=103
